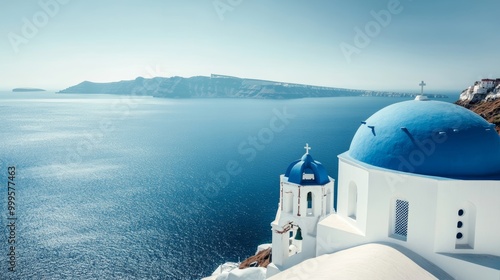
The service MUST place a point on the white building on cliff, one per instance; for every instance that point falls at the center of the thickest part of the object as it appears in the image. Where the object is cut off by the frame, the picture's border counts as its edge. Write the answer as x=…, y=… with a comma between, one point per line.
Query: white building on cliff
x=420, y=186
x=484, y=89
x=306, y=197
x=418, y=198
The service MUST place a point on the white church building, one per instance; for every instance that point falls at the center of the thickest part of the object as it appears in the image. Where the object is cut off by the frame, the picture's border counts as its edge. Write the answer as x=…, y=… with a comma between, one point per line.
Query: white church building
x=306, y=197
x=418, y=197
x=418, y=193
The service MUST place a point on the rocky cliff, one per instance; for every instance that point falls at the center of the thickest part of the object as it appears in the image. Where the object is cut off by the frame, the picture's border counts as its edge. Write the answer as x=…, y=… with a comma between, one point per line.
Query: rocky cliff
x=220, y=86
x=484, y=99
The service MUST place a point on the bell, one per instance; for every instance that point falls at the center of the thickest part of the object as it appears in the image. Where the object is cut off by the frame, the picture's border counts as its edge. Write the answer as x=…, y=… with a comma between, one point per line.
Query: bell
x=298, y=235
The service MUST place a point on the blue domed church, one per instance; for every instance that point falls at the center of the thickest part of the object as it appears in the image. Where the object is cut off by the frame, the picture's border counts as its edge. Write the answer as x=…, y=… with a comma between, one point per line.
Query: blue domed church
x=306, y=197
x=419, y=189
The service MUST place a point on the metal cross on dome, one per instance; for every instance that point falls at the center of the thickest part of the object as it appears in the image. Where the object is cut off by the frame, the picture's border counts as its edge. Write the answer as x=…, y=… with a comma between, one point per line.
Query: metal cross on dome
x=422, y=85
x=307, y=148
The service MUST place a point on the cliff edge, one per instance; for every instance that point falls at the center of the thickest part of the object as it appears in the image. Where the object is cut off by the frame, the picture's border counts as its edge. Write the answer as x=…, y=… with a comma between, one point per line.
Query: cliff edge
x=221, y=86
x=483, y=98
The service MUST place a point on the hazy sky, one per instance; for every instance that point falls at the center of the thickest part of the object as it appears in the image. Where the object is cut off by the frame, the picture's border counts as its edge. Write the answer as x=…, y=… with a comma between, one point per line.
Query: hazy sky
x=365, y=44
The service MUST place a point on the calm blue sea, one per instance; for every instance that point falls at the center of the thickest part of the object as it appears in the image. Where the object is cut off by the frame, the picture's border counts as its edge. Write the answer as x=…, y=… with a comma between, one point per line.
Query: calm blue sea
x=115, y=187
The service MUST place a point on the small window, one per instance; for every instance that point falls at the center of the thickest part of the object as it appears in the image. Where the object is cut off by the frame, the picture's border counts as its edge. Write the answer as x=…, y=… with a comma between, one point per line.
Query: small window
x=466, y=224
x=310, y=211
x=401, y=218
x=352, y=203
x=309, y=200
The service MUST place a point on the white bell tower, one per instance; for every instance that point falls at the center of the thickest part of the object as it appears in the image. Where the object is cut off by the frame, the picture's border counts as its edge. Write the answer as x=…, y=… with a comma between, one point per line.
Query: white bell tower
x=306, y=197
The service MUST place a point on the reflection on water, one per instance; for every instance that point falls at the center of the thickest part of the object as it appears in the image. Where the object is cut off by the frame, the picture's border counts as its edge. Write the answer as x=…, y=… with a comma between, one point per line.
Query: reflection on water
x=143, y=191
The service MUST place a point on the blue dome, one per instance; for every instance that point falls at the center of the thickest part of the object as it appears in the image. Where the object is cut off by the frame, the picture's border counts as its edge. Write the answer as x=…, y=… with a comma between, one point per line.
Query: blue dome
x=307, y=165
x=430, y=138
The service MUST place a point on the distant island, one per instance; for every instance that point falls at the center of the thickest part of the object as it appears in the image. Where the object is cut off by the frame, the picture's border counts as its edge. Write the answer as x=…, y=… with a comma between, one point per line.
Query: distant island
x=27, y=89
x=222, y=86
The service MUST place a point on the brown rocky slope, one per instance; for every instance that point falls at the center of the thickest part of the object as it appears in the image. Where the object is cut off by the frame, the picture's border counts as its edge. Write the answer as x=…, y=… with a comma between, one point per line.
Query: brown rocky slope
x=489, y=110
x=261, y=259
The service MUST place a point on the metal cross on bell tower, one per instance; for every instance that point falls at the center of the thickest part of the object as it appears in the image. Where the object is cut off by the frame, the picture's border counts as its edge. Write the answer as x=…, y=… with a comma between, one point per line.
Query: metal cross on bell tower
x=422, y=85
x=307, y=148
